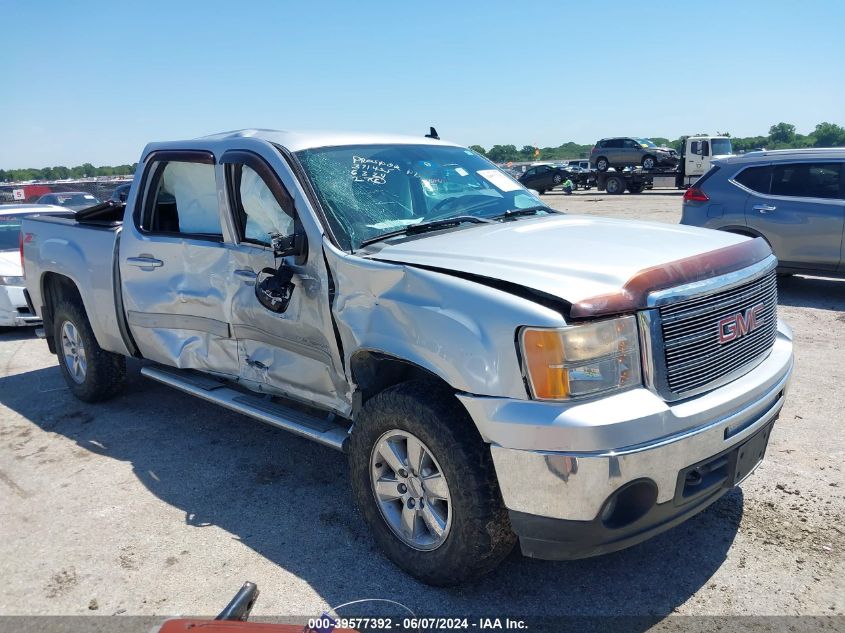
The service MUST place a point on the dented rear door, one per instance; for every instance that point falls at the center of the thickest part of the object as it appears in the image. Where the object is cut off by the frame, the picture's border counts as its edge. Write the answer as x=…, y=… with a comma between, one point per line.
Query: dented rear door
x=174, y=266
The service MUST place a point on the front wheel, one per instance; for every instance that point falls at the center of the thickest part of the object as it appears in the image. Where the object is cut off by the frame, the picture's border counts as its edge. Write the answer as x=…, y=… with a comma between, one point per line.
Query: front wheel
x=602, y=164
x=425, y=484
x=91, y=373
x=649, y=162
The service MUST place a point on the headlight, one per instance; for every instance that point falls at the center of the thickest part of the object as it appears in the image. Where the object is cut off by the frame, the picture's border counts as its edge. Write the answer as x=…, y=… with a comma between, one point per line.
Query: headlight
x=581, y=360
x=12, y=281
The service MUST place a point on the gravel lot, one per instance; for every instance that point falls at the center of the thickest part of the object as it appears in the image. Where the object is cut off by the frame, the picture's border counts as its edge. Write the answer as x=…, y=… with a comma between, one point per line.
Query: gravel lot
x=156, y=503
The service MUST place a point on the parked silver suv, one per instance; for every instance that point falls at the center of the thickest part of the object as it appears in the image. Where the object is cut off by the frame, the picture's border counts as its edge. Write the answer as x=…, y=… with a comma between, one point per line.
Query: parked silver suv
x=626, y=151
x=795, y=199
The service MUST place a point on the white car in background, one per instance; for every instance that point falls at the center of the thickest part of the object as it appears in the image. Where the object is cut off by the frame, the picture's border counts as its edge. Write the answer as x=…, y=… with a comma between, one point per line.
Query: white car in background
x=14, y=310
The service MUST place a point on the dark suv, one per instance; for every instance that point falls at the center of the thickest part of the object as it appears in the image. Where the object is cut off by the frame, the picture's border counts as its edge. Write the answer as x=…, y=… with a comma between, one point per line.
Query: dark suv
x=629, y=151
x=795, y=199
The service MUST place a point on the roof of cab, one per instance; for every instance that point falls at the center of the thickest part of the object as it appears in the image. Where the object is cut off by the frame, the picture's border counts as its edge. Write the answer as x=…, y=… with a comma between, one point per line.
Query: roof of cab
x=299, y=140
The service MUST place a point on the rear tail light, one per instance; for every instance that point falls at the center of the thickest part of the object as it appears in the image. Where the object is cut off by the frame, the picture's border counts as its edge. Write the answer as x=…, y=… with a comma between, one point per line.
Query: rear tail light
x=694, y=194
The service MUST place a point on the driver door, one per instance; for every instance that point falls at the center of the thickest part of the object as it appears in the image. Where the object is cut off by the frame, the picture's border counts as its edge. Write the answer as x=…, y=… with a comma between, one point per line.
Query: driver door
x=291, y=352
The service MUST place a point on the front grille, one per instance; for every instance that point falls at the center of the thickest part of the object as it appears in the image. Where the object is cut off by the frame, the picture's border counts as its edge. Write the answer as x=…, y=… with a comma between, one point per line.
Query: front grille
x=698, y=334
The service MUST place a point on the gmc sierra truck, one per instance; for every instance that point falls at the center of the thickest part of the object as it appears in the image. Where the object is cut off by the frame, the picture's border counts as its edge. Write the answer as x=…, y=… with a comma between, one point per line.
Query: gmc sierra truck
x=494, y=370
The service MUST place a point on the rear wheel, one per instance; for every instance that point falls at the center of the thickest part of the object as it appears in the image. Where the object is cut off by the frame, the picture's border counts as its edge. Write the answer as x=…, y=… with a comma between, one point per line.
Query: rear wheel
x=602, y=164
x=614, y=185
x=425, y=484
x=90, y=372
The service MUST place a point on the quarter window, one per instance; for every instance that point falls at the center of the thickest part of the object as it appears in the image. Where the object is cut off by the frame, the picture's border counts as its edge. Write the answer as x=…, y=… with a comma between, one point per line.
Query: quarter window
x=755, y=178
x=807, y=180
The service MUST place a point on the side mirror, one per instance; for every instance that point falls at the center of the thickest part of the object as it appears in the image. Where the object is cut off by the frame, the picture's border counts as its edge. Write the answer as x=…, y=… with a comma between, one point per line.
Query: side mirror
x=289, y=246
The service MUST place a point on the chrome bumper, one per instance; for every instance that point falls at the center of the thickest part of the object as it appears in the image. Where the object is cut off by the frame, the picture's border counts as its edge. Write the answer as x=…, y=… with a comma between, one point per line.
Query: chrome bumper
x=574, y=483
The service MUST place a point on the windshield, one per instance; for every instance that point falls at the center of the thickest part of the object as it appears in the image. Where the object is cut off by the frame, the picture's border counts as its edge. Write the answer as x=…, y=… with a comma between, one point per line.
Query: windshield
x=368, y=190
x=10, y=229
x=719, y=146
x=646, y=142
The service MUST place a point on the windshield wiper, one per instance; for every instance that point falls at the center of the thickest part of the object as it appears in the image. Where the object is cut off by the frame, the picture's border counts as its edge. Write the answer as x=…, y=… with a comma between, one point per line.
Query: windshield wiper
x=513, y=213
x=424, y=227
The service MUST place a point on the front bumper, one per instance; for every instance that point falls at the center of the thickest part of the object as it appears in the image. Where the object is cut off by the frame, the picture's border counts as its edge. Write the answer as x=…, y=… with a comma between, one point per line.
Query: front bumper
x=559, y=467
x=15, y=311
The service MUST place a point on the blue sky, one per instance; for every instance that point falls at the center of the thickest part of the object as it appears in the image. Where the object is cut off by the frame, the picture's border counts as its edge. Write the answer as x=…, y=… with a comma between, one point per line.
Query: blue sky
x=94, y=81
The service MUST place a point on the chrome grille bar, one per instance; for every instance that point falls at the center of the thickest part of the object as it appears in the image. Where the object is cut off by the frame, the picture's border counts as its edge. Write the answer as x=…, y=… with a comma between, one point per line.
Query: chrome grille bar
x=692, y=356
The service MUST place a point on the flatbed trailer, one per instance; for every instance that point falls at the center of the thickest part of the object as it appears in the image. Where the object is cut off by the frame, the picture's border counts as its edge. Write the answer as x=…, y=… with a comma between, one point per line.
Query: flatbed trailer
x=697, y=153
x=637, y=180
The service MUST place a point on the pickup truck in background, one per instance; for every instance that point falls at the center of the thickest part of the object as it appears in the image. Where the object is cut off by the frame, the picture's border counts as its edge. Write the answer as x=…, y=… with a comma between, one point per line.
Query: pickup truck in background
x=495, y=370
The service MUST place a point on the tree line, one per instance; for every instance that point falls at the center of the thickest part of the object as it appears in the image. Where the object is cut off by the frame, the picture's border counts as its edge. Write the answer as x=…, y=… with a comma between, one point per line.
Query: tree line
x=85, y=170
x=781, y=136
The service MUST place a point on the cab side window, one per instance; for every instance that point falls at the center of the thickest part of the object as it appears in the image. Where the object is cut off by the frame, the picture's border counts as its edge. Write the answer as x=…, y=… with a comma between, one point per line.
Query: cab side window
x=699, y=148
x=182, y=199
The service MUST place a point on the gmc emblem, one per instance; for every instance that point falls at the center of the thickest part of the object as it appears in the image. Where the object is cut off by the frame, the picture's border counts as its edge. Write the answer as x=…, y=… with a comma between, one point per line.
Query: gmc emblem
x=739, y=324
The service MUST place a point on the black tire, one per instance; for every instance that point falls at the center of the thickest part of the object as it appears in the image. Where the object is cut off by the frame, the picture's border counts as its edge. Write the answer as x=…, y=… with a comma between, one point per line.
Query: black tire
x=480, y=535
x=557, y=179
x=104, y=374
x=602, y=164
x=649, y=162
x=636, y=188
x=614, y=185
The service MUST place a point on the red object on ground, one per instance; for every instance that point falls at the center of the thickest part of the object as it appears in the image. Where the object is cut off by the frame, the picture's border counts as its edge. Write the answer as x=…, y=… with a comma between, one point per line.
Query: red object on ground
x=234, y=626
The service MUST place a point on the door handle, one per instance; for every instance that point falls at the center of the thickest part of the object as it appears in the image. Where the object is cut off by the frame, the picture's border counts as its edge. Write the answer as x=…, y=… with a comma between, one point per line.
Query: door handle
x=246, y=274
x=763, y=208
x=145, y=261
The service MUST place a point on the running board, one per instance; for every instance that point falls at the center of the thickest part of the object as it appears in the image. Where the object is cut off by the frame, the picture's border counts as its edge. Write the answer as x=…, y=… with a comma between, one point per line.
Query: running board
x=208, y=388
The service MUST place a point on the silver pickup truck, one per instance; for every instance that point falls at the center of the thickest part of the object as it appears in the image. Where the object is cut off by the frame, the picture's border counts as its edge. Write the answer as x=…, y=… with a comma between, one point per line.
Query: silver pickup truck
x=495, y=370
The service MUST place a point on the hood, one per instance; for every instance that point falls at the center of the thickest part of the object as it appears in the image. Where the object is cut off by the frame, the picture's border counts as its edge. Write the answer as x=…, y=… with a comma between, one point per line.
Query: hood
x=571, y=257
x=10, y=263
x=668, y=150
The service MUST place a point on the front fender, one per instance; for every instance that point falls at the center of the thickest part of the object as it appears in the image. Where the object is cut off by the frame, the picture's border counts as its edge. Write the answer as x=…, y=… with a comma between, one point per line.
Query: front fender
x=463, y=332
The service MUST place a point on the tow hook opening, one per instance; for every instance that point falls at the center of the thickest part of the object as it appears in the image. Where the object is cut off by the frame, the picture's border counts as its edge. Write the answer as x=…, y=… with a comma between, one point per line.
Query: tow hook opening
x=628, y=504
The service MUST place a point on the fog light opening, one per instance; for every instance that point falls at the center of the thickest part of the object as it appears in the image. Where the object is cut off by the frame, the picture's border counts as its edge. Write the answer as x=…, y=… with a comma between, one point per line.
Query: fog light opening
x=629, y=503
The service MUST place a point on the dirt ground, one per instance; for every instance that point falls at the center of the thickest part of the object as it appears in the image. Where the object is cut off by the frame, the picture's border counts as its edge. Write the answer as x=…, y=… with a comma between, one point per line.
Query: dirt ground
x=157, y=503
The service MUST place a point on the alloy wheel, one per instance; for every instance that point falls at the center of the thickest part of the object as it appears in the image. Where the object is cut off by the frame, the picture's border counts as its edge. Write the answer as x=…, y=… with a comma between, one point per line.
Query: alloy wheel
x=411, y=490
x=73, y=351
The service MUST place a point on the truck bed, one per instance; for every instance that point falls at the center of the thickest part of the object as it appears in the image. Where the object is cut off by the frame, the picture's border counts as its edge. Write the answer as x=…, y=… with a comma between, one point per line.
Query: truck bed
x=81, y=247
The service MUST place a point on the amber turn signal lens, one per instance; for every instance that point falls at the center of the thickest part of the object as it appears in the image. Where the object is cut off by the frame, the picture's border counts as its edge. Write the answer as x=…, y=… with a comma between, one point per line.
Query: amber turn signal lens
x=544, y=356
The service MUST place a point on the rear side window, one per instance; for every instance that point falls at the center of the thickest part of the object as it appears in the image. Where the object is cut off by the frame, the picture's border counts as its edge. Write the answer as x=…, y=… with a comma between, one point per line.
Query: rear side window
x=182, y=199
x=755, y=178
x=807, y=180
